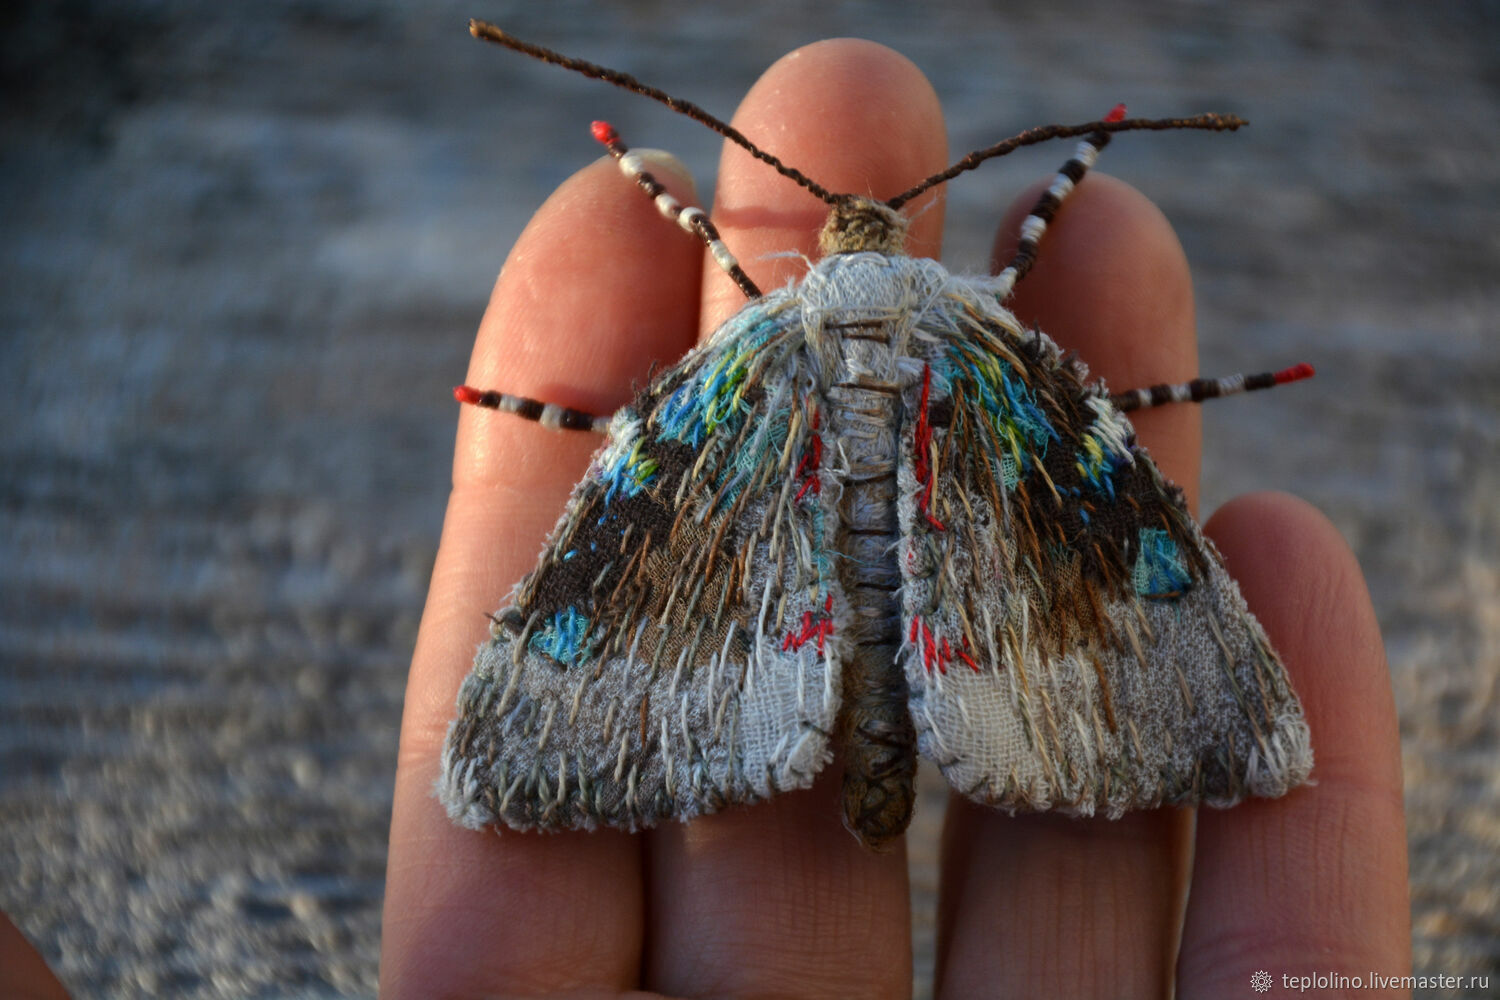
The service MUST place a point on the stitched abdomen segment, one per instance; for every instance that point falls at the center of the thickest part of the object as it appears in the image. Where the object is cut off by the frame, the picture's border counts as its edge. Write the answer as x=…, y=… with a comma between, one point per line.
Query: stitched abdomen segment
x=876, y=732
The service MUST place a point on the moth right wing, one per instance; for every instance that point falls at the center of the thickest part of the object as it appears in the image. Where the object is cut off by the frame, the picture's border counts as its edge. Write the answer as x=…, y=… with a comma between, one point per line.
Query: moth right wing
x=1073, y=642
x=674, y=650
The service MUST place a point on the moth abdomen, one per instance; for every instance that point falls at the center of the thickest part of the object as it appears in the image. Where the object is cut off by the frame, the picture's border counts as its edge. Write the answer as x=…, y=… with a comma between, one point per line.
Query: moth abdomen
x=877, y=737
x=879, y=747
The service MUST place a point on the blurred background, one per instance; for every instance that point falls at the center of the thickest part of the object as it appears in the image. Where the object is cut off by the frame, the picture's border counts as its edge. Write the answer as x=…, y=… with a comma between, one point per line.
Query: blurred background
x=243, y=250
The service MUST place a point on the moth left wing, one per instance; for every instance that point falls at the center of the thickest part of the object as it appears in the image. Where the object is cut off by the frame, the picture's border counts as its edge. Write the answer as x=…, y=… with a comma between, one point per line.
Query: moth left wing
x=1072, y=641
x=673, y=651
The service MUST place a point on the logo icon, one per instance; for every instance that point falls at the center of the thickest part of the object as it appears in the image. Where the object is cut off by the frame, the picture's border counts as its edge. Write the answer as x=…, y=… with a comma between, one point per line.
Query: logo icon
x=1260, y=981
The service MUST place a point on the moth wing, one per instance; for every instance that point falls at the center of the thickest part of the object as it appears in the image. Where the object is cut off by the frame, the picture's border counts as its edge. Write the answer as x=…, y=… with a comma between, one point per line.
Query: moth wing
x=672, y=652
x=1072, y=640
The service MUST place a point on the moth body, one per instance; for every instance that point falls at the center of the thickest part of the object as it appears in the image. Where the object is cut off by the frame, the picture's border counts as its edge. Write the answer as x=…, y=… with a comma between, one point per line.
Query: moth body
x=871, y=507
x=872, y=514
x=856, y=311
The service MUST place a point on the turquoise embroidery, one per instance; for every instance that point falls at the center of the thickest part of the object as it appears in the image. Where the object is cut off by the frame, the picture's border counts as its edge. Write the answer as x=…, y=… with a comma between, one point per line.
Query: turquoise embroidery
x=1103, y=448
x=1159, y=569
x=565, y=638
x=1020, y=427
x=628, y=470
x=714, y=396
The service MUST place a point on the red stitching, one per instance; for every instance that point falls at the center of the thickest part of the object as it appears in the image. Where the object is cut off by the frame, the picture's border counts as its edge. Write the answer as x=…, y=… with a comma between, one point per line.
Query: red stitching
x=812, y=459
x=818, y=628
x=921, y=443
x=937, y=649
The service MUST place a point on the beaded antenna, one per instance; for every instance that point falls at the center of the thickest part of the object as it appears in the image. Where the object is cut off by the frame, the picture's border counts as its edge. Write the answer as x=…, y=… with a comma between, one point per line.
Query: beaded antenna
x=871, y=512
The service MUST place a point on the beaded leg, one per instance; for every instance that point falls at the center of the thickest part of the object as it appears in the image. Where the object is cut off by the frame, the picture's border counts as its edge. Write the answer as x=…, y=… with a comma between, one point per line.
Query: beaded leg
x=558, y=418
x=692, y=219
x=1200, y=389
x=1035, y=224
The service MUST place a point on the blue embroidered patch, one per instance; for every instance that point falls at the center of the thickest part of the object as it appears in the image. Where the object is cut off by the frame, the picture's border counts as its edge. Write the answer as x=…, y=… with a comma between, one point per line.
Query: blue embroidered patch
x=1159, y=569
x=565, y=637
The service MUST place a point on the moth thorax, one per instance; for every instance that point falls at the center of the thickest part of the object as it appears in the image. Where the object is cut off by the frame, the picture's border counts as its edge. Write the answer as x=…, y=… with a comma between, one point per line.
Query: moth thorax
x=860, y=224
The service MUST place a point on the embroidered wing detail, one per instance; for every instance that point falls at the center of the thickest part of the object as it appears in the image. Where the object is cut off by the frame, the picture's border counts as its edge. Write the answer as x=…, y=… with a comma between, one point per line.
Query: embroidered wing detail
x=1072, y=641
x=673, y=650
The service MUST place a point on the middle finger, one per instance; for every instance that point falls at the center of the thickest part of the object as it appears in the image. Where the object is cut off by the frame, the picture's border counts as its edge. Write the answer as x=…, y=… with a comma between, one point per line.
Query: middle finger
x=779, y=899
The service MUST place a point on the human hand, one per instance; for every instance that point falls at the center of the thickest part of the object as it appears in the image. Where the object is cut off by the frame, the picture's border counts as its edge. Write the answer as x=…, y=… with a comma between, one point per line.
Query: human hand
x=778, y=899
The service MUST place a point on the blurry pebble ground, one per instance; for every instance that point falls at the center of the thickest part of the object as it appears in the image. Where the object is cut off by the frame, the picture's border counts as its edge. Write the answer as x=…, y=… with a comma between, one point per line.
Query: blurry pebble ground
x=243, y=249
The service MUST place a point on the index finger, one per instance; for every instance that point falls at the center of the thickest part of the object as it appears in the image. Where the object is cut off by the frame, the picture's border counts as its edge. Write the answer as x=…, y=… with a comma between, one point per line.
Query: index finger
x=596, y=290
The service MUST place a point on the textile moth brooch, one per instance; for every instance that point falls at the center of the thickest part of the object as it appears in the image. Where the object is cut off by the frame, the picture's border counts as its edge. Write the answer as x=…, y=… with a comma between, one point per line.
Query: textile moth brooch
x=871, y=512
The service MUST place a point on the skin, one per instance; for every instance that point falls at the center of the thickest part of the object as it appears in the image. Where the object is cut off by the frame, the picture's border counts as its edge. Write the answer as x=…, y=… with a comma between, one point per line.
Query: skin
x=23, y=972
x=779, y=900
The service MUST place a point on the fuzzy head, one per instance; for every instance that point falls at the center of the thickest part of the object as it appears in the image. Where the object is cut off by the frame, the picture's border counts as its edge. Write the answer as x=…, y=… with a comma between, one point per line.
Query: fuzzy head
x=860, y=224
